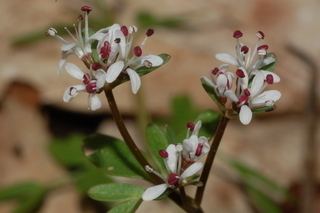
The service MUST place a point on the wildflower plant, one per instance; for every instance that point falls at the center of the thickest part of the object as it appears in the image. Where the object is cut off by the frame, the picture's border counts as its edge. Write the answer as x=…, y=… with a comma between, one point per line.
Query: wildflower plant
x=111, y=57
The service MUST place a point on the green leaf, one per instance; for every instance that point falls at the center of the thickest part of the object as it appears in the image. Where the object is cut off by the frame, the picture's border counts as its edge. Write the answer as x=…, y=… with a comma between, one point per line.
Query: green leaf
x=116, y=192
x=212, y=93
x=256, y=179
x=113, y=156
x=28, y=194
x=126, y=207
x=157, y=140
x=269, y=66
x=18, y=190
x=263, y=202
x=146, y=20
x=67, y=151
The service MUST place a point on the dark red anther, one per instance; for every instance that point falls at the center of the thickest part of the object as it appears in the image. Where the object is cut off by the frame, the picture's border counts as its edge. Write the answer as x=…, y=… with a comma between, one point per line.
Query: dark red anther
x=124, y=30
x=173, y=179
x=91, y=87
x=105, y=50
x=260, y=35
x=86, y=9
x=149, y=32
x=240, y=73
x=190, y=125
x=199, y=150
x=163, y=153
x=263, y=47
x=86, y=78
x=269, y=79
x=242, y=100
x=245, y=49
x=246, y=92
x=215, y=71
x=237, y=34
x=96, y=66
x=137, y=51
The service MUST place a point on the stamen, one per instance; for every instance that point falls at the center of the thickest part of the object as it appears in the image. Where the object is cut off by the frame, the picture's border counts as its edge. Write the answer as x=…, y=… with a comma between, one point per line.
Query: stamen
x=124, y=30
x=137, y=51
x=52, y=32
x=173, y=179
x=150, y=32
x=163, y=153
x=260, y=35
x=246, y=92
x=96, y=66
x=237, y=34
x=190, y=125
x=70, y=34
x=147, y=64
x=244, y=49
x=199, y=150
x=86, y=9
x=215, y=71
x=263, y=47
x=242, y=100
x=240, y=73
x=105, y=50
x=269, y=79
x=86, y=78
x=91, y=87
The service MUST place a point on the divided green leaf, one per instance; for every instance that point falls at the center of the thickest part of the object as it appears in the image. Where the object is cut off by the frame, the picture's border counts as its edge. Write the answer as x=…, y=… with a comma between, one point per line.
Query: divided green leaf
x=113, y=156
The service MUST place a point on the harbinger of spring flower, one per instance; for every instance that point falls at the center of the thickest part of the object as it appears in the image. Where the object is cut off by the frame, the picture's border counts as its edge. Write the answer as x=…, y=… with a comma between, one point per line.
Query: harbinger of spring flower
x=245, y=89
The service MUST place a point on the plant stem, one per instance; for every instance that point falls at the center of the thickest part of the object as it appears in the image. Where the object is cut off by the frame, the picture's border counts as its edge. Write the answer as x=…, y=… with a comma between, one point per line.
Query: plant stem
x=209, y=161
x=176, y=197
x=127, y=138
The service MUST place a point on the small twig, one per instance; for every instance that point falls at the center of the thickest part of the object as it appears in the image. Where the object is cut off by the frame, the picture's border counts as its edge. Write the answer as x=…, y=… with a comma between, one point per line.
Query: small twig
x=209, y=161
x=310, y=158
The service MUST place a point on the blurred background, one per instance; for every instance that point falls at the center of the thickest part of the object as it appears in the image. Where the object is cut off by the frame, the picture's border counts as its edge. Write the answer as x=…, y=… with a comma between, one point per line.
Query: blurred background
x=39, y=134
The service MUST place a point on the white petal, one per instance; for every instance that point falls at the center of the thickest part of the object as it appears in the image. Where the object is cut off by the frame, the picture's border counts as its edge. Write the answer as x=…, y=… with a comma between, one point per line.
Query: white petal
x=192, y=170
x=154, y=192
x=100, y=75
x=172, y=158
x=197, y=128
x=94, y=102
x=276, y=78
x=97, y=36
x=72, y=91
x=74, y=71
x=118, y=34
x=231, y=95
x=227, y=58
x=257, y=84
x=135, y=80
x=206, y=147
x=153, y=59
x=267, y=96
x=245, y=115
x=222, y=83
x=61, y=64
x=67, y=47
x=114, y=71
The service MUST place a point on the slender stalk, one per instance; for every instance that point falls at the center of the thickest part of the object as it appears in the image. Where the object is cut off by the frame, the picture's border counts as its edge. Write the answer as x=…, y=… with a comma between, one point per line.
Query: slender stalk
x=209, y=161
x=175, y=196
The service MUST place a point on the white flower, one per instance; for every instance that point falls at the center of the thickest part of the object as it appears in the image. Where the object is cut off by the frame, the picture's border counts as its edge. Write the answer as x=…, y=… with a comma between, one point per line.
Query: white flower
x=195, y=147
x=173, y=158
x=91, y=83
x=255, y=96
x=250, y=78
x=116, y=52
x=81, y=41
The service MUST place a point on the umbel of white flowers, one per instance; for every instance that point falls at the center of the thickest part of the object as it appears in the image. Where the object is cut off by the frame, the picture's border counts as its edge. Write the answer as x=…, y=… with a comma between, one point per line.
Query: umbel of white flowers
x=181, y=162
x=245, y=88
x=115, y=55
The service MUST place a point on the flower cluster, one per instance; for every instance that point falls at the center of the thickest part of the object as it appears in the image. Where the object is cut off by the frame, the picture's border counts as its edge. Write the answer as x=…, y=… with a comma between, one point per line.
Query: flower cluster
x=107, y=54
x=181, y=162
x=245, y=86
